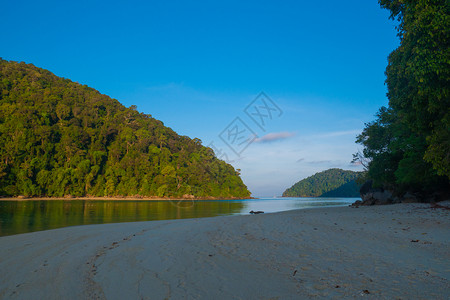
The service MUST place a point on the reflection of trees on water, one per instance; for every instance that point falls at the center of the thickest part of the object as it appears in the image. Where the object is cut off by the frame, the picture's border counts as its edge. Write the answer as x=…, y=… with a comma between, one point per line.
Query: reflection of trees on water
x=27, y=216
x=182, y=203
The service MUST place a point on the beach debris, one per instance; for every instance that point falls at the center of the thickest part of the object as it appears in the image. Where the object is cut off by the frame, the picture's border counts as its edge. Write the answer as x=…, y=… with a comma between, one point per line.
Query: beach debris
x=365, y=292
x=256, y=212
x=337, y=286
x=414, y=241
x=114, y=245
x=295, y=272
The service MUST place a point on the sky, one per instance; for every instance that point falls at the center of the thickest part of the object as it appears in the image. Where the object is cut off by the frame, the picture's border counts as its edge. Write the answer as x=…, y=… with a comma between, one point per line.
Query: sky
x=279, y=89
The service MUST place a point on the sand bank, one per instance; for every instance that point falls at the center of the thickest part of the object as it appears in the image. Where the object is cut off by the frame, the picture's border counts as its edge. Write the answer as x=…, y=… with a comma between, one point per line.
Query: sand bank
x=383, y=252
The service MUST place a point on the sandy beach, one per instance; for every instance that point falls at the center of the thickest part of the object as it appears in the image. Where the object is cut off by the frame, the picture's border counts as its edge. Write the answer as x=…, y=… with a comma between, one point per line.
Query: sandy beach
x=379, y=252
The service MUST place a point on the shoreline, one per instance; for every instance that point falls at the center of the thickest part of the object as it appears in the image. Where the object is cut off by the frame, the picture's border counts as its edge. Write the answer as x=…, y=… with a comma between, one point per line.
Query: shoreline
x=384, y=252
x=120, y=198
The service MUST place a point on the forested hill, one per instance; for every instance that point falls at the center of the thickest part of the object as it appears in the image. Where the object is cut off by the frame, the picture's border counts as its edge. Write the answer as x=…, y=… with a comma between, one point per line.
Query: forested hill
x=329, y=183
x=60, y=138
x=407, y=147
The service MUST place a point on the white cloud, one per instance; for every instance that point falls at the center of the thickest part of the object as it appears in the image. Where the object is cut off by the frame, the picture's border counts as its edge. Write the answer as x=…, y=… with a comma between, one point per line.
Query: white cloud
x=274, y=136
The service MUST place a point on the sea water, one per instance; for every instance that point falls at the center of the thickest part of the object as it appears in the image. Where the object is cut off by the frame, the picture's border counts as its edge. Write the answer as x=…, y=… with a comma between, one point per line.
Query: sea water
x=28, y=216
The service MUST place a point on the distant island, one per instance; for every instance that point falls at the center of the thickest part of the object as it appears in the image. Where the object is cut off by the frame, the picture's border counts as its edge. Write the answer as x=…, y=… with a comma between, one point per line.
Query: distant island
x=59, y=138
x=329, y=183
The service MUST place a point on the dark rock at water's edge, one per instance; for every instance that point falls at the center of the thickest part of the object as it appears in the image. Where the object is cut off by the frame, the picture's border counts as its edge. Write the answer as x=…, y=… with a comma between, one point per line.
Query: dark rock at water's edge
x=381, y=196
x=376, y=196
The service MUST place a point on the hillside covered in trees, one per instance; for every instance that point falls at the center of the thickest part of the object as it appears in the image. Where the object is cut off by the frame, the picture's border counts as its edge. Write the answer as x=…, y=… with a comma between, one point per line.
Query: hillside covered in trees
x=329, y=183
x=60, y=138
x=407, y=147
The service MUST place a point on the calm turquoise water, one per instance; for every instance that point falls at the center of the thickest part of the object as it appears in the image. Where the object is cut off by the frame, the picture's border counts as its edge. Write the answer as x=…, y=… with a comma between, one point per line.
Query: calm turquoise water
x=27, y=216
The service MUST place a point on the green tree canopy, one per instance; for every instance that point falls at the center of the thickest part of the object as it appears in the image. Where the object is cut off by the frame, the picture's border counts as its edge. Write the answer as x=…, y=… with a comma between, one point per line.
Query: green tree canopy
x=408, y=145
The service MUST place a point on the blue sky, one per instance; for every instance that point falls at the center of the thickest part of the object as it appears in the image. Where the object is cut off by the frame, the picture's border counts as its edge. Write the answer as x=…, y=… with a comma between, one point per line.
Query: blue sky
x=196, y=65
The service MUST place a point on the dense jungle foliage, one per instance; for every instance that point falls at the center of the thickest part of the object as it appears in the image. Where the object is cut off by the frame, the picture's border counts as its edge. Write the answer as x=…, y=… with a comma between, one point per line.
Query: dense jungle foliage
x=329, y=183
x=407, y=148
x=60, y=138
